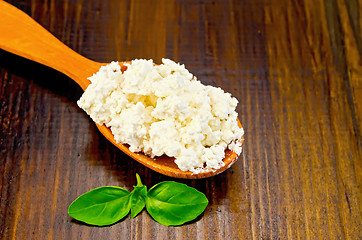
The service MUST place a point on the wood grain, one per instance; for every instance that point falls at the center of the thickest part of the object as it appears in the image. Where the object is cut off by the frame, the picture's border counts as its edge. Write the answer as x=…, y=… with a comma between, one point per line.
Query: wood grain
x=296, y=68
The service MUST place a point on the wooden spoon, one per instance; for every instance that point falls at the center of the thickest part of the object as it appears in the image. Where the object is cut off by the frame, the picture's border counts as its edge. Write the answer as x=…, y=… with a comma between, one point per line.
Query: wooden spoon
x=21, y=35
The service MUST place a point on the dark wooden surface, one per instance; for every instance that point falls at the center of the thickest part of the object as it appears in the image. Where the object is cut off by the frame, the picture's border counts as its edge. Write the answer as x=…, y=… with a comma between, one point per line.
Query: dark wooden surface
x=296, y=68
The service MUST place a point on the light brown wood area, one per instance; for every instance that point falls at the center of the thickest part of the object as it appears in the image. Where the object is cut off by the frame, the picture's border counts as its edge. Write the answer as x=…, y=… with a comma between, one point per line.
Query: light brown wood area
x=296, y=68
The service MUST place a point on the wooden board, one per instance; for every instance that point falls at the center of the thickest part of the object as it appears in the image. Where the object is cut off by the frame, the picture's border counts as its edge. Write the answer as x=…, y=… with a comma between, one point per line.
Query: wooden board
x=296, y=68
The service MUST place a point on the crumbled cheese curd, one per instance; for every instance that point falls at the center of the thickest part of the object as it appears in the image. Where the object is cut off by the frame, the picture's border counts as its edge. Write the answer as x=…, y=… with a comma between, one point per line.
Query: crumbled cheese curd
x=164, y=109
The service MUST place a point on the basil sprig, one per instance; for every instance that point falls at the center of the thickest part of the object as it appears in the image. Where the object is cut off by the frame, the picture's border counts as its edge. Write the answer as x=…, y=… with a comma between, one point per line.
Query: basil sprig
x=169, y=203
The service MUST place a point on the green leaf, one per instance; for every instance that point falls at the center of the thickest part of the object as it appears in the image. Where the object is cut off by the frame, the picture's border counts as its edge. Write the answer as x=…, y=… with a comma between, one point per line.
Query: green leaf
x=101, y=206
x=138, y=197
x=138, y=200
x=172, y=203
x=169, y=203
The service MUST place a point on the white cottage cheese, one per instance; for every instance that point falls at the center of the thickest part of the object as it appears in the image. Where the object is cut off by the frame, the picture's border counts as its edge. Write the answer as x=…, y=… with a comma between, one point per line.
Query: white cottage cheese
x=163, y=109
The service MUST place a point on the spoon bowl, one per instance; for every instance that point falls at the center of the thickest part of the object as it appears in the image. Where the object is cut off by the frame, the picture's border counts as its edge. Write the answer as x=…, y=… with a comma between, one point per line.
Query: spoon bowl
x=23, y=36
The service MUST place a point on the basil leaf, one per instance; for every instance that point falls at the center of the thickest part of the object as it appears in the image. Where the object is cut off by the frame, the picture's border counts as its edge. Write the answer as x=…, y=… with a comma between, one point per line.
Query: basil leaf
x=138, y=197
x=172, y=203
x=169, y=203
x=138, y=200
x=101, y=206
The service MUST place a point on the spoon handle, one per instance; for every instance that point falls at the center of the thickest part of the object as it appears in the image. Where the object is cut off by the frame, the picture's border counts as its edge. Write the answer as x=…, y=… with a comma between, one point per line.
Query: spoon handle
x=23, y=36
